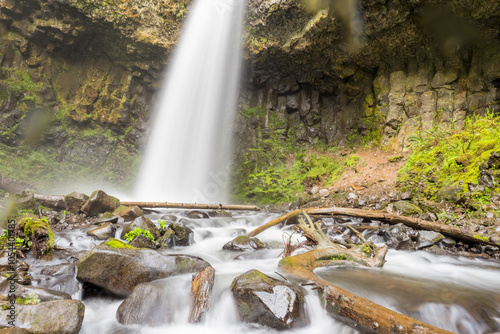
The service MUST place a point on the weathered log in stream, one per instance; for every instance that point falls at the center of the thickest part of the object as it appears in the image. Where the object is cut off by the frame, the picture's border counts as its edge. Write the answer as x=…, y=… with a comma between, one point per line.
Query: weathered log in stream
x=170, y=205
x=360, y=313
x=448, y=230
x=57, y=202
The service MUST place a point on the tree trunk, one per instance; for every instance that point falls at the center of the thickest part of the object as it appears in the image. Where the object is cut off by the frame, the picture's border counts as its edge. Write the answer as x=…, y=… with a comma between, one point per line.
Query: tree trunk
x=191, y=206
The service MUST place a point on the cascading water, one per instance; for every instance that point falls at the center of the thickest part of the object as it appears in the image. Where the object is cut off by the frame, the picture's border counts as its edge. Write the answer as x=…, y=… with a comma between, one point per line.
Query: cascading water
x=187, y=157
x=454, y=293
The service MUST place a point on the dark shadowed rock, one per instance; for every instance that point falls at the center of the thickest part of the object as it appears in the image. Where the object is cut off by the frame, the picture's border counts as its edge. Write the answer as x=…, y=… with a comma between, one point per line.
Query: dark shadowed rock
x=400, y=236
x=244, y=243
x=219, y=214
x=263, y=300
x=100, y=202
x=144, y=224
x=58, y=316
x=183, y=236
x=141, y=241
x=169, y=218
x=103, y=232
x=195, y=214
x=118, y=270
x=74, y=201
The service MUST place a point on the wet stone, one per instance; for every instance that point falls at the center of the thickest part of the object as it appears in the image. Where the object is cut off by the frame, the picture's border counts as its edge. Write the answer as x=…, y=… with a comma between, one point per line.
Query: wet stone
x=195, y=214
x=428, y=238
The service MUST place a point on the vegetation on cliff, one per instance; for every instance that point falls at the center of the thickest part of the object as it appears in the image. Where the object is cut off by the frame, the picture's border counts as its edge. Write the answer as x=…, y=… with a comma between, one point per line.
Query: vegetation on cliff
x=456, y=165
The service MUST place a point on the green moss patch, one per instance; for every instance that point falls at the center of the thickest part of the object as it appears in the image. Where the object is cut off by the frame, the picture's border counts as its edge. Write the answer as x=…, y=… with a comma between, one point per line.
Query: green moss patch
x=115, y=243
x=446, y=164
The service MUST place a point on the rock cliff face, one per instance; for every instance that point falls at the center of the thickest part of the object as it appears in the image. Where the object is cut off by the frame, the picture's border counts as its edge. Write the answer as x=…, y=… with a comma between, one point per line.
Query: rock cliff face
x=373, y=68
x=400, y=66
x=91, y=69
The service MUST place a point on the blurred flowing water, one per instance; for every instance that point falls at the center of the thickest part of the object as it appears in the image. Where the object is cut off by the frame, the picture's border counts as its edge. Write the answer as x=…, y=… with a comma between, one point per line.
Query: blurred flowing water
x=454, y=293
x=188, y=153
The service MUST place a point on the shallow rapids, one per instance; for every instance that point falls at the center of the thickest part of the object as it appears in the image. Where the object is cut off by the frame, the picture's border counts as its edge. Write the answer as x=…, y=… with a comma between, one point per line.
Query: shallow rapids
x=454, y=293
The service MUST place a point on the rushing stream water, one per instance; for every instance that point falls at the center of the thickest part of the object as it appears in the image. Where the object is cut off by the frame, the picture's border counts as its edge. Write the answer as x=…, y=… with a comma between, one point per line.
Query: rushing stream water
x=455, y=293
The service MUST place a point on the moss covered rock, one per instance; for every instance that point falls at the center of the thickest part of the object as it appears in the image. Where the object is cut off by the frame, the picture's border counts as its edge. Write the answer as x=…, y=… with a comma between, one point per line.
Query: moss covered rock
x=37, y=234
x=407, y=208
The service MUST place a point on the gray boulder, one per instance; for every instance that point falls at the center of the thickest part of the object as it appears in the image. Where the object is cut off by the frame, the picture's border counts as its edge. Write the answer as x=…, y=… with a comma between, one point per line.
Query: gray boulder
x=58, y=316
x=74, y=201
x=244, y=243
x=117, y=268
x=103, y=232
x=263, y=300
x=100, y=202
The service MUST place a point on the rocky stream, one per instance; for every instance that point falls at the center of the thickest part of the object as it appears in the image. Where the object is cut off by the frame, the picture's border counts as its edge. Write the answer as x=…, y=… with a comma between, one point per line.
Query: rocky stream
x=202, y=272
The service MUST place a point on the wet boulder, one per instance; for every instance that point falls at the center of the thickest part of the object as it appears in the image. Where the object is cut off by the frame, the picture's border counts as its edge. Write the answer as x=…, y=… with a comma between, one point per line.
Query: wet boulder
x=219, y=214
x=58, y=316
x=74, y=201
x=100, y=202
x=263, y=300
x=428, y=239
x=168, y=218
x=195, y=214
x=141, y=241
x=107, y=217
x=244, y=243
x=152, y=303
x=103, y=232
x=23, y=291
x=144, y=224
x=130, y=213
x=117, y=267
x=177, y=234
x=183, y=235
x=400, y=237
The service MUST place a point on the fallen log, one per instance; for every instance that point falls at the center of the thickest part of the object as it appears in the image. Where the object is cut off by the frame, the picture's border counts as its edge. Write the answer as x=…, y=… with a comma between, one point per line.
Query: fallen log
x=171, y=205
x=358, y=312
x=447, y=230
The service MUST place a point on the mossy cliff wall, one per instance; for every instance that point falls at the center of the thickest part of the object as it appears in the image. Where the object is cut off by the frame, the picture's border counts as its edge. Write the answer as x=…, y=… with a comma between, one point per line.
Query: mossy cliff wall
x=84, y=74
x=379, y=68
x=376, y=69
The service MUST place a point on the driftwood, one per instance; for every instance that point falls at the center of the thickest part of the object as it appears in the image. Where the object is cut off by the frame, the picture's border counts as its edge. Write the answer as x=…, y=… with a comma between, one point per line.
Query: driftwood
x=201, y=290
x=447, y=230
x=358, y=312
x=191, y=206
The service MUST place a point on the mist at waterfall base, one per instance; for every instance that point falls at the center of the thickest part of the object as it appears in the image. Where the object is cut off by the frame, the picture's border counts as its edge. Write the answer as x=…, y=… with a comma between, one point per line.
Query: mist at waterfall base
x=187, y=158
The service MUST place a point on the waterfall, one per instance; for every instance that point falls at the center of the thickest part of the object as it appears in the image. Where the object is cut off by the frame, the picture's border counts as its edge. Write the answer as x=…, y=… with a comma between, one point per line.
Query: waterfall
x=187, y=158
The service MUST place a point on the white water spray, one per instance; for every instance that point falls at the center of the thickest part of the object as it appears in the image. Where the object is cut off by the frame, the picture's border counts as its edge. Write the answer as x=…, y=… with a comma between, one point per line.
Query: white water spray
x=188, y=154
